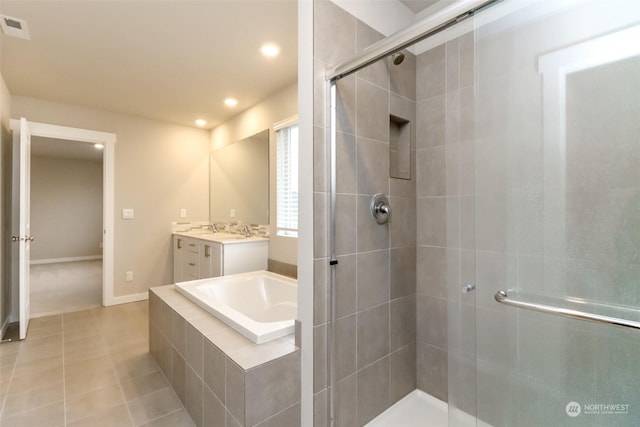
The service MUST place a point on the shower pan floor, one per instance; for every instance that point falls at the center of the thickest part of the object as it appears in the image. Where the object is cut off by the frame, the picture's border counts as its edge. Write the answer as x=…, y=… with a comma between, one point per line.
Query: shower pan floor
x=417, y=409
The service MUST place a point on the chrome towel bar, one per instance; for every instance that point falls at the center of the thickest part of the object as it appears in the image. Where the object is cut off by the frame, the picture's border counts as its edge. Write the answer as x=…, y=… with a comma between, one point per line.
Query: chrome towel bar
x=503, y=298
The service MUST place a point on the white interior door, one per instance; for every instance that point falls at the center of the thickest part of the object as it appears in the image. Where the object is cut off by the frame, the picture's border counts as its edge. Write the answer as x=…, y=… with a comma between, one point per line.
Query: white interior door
x=25, y=226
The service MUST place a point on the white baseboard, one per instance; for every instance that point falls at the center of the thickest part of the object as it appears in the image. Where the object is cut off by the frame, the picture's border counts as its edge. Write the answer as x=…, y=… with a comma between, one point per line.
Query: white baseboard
x=124, y=299
x=69, y=259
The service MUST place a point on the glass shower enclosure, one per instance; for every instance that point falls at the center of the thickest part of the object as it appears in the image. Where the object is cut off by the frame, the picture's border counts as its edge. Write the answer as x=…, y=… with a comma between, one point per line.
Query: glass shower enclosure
x=500, y=283
x=557, y=211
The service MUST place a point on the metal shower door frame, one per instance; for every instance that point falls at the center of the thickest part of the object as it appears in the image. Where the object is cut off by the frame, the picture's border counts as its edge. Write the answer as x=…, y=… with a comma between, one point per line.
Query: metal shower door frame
x=421, y=30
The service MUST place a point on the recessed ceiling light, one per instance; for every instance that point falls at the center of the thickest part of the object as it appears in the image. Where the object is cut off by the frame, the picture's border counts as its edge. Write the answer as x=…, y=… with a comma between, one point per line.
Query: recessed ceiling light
x=98, y=146
x=201, y=122
x=231, y=102
x=270, y=50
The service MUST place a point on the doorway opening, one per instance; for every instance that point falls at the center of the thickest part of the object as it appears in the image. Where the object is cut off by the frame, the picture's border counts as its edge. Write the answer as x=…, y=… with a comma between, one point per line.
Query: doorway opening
x=66, y=216
x=77, y=138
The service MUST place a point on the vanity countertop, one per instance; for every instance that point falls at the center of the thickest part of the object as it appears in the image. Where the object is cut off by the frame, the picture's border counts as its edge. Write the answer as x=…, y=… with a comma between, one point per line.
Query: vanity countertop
x=221, y=237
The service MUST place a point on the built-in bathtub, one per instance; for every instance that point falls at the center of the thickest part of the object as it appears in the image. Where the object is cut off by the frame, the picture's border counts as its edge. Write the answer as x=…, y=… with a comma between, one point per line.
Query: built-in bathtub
x=218, y=374
x=260, y=305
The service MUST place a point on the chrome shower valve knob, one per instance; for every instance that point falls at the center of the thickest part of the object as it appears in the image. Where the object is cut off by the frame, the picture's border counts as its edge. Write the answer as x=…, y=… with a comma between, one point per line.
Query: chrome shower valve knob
x=380, y=209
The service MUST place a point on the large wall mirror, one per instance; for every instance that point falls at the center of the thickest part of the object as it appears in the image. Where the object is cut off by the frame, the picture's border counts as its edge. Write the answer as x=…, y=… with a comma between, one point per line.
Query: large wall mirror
x=239, y=189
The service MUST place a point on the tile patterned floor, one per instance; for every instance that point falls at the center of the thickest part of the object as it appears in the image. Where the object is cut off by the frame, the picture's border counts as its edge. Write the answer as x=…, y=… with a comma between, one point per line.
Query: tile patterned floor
x=87, y=368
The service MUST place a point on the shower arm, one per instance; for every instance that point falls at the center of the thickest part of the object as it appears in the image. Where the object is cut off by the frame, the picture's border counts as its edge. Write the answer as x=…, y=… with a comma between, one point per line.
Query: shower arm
x=426, y=27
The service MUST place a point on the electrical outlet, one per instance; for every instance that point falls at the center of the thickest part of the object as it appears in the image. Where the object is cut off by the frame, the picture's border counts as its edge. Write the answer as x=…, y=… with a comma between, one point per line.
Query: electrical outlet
x=183, y=213
x=232, y=213
x=129, y=277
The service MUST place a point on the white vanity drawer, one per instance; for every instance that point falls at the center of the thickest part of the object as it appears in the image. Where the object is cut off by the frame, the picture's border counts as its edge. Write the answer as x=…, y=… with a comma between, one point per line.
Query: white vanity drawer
x=191, y=270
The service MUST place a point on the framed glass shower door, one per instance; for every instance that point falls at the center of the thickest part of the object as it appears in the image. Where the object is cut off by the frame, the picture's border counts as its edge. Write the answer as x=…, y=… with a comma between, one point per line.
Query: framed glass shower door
x=557, y=213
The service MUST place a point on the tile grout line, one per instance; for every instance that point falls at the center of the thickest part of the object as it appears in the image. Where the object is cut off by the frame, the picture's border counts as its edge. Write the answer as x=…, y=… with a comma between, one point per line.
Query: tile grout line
x=13, y=377
x=113, y=366
x=64, y=377
x=13, y=371
x=100, y=329
x=164, y=415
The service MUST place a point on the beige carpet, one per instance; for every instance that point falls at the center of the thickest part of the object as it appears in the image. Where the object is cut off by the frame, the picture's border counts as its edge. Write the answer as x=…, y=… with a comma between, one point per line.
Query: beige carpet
x=64, y=287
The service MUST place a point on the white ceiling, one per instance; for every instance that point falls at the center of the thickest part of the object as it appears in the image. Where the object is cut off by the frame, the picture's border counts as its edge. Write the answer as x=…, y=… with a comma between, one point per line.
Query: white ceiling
x=167, y=60
x=417, y=6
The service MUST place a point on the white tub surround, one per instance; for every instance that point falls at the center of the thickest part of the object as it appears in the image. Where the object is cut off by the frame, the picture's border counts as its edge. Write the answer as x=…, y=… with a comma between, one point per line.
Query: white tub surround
x=260, y=305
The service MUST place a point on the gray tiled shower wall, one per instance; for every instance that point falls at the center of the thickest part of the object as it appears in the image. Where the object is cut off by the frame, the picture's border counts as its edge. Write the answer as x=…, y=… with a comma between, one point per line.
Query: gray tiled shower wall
x=446, y=221
x=376, y=292
x=393, y=281
x=259, y=386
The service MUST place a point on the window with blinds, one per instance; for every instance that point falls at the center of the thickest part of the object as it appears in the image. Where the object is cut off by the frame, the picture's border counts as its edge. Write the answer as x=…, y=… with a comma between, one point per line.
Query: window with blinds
x=287, y=180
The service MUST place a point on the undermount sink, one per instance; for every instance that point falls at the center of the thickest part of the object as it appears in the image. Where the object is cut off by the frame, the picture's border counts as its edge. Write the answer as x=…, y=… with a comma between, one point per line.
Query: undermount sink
x=225, y=236
x=206, y=232
x=219, y=236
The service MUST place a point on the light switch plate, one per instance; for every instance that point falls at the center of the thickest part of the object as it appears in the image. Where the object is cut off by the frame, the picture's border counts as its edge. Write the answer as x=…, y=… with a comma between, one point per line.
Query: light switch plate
x=127, y=213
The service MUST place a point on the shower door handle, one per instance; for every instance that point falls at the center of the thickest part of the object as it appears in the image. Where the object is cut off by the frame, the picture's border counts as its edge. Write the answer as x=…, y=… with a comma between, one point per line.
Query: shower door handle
x=503, y=297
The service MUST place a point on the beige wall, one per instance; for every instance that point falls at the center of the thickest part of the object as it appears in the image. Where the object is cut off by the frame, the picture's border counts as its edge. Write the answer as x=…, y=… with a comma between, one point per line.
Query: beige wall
x=66, y=208
x=159, y=169
x=5, y=192
x=276, y=108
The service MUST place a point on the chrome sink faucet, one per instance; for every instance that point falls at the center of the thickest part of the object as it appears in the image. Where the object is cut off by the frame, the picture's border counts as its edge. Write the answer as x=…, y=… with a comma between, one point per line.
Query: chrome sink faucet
x=245, y=230
x=213, y=228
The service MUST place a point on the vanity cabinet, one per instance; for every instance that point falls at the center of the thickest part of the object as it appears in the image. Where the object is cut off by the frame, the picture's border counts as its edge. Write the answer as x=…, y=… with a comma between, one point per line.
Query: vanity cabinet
x=197, y=258
x=178, y=257
x=191, y=260
x=210, y=259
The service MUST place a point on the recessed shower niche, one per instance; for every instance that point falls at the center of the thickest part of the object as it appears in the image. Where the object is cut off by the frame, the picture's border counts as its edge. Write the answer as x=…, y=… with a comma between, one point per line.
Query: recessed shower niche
x=399, y=147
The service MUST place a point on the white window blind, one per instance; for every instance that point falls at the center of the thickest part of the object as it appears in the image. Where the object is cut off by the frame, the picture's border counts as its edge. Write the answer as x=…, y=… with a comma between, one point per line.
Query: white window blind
x=287, y=180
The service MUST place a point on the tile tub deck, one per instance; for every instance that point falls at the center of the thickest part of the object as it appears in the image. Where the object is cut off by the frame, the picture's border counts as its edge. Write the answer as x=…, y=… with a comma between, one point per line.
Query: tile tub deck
x=222, y=378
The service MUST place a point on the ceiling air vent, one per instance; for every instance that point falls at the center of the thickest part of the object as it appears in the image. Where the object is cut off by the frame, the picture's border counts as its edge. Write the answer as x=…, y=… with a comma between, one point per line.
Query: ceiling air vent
x=14, y=27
